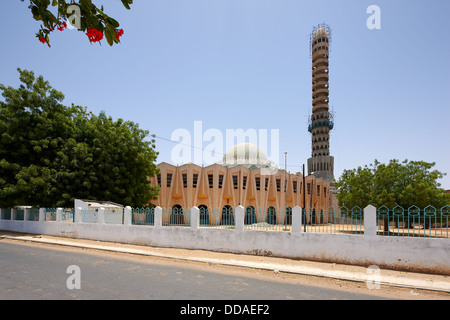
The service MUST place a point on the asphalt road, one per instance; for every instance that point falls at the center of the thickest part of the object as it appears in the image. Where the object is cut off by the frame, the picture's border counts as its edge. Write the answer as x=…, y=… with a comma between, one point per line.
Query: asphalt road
x=40, y=272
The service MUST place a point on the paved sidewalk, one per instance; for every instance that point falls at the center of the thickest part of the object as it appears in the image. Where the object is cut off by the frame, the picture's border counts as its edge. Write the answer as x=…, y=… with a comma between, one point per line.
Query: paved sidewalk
x=329, y=270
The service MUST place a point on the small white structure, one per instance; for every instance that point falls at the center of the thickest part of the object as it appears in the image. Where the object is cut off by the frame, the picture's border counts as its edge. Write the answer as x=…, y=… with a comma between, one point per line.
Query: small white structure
x=94, y=204
x=100, y=211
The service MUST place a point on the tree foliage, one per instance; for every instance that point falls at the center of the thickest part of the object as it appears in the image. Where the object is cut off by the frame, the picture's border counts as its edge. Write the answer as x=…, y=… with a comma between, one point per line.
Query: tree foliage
x=404, y=183
x=51, y=154
x=92, y=19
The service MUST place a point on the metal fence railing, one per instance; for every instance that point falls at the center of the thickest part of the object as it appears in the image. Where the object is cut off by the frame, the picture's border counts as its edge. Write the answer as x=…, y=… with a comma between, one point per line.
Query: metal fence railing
x=68, y=215
x=398, y=221
x=176, y=216
x=268, y=219
x=143, y=216
x=6, y=214
x=33, y=214
x=19, y=214
x=50, y=214
x=333, y=220
x=413, y=221
x=219, y=218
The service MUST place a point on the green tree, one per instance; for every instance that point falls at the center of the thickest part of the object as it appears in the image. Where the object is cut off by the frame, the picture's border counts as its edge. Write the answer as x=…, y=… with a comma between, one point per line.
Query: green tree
x=91, y=18
x=51, y=154
x=404, y=183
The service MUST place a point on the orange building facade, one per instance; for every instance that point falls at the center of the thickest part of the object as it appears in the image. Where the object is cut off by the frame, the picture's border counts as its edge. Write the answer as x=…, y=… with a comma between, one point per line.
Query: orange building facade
x=246, y=182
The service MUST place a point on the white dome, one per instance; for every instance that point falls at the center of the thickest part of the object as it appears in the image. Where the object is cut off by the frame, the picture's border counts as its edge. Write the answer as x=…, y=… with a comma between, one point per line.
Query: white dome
x=245, y=153
x=249, y=155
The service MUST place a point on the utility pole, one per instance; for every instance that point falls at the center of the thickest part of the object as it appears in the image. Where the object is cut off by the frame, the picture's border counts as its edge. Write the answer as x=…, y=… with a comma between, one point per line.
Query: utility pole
x=311, y=203
x=304, y=201
x=285, y=187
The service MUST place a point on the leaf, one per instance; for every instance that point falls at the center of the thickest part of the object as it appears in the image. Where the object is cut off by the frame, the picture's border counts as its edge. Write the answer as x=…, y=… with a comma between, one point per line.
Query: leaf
x=113, y=22
x=109, y=36
x=126, y=3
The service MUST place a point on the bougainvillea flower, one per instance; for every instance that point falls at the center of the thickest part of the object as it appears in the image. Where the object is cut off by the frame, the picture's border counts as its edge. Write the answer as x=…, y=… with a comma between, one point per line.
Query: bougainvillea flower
x=94, y=35
x=42, y=40
x=63, y=26
x=119, y=34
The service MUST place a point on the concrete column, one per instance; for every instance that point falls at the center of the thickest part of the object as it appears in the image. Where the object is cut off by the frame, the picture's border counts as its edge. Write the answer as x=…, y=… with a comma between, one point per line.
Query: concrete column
x=59, y=214
x=370, y=221
x=158, y=217
x=195, y=218
x=101, y=216
x=26, y=212
x=127, y=216
x=296, y=220
x=41, y=214
x=78, y=217
x=239, y=218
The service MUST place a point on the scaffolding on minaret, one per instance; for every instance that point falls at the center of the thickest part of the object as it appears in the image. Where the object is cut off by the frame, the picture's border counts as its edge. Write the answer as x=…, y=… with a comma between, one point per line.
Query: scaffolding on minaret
x=329, y=31
x=321, y=122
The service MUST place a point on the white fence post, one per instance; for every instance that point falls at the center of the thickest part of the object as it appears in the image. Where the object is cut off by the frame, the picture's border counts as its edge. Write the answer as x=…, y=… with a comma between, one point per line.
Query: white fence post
x=59, y=214
x=296, y=220
x=239, y=218
x=78, y=217
x=195, y=218
x=370, y=221
x=41, y=214
x=158, y=217
x=26, y=211
x=101, y=216
x=127, y=216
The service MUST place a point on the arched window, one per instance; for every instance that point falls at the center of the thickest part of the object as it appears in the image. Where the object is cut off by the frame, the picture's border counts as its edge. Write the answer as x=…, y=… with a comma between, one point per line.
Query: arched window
x=250, y=216
x=176, y=216
x=271, y=217
x=204, y=215
x=288, y=216
x=227, y=218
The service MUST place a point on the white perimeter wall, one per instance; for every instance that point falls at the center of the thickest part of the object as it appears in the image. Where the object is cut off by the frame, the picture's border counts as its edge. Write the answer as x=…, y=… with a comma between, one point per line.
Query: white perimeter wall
x=401, y=253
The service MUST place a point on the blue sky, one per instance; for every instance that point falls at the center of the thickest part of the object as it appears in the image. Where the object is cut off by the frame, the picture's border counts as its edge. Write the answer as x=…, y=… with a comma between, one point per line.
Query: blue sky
x=245, y=64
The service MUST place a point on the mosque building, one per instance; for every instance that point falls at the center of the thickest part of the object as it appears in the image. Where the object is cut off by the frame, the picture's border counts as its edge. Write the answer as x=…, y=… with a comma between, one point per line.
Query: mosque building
x=246, y=176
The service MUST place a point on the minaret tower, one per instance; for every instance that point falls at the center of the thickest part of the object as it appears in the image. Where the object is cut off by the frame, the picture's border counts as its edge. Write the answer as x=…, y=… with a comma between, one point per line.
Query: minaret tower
x=321, y=164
